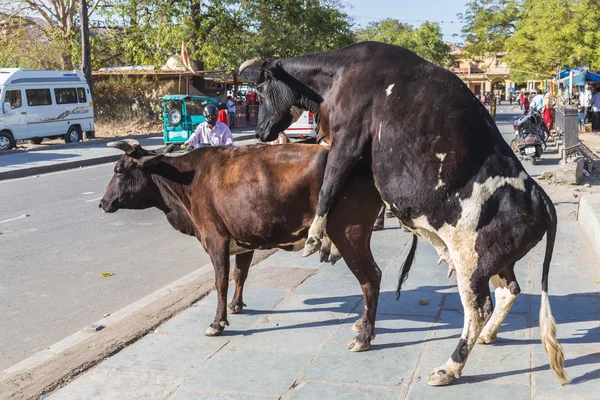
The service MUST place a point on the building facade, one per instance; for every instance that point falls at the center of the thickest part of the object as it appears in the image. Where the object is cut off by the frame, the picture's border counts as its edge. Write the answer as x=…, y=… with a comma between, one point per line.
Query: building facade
x=483, y=75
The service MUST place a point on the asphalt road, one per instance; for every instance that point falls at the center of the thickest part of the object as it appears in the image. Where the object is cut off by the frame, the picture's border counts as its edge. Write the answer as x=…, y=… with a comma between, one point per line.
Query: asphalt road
x=51, y=260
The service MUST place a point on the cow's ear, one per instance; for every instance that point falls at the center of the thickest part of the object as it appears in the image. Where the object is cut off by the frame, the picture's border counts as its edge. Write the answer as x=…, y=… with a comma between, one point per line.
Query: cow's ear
x=150, y=161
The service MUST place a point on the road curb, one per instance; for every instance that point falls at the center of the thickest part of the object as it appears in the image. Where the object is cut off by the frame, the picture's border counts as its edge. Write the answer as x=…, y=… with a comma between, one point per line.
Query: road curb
x=588, y=216
x=25, y=172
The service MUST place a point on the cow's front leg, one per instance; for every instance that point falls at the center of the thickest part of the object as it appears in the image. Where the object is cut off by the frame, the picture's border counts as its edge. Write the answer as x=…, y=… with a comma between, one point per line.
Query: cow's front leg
x=340, y=163
x=477, y=305
x=240, y=273
x=506, y=290
x=219, y=255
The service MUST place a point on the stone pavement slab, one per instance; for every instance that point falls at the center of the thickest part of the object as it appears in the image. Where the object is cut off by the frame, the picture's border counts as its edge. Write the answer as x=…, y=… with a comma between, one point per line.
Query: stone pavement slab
x=291, y=340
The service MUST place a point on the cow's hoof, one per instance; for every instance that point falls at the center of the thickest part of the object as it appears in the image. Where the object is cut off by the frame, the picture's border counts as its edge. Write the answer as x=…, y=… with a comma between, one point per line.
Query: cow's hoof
x=312, y=245
x=333, y=258
x=324, y=256
x=235, y=308
x=486, y=339
x=358, y=345
x=440, y=377
x=357, y=325
x=215, y=329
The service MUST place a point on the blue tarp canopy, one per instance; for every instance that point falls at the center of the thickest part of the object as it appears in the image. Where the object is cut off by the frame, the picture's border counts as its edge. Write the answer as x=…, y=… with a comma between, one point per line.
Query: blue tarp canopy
x=579, y=78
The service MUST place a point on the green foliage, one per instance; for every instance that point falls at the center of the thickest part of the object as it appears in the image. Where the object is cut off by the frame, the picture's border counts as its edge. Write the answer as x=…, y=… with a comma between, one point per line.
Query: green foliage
x=488, y=24
x=426, y=41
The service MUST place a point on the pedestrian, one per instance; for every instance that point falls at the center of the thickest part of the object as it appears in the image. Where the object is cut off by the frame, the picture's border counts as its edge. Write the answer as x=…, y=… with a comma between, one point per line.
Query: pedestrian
x=521, y=101
x=525, y=102
x=231, y=109
x=210, y=132
x=223, y=116
x=538, y=102
x=548, y=111
x=493, y=106
x=585, y=101
x=596, y=111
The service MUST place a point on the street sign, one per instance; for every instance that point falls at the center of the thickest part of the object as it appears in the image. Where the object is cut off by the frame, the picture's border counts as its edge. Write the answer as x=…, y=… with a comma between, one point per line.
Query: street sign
x=511, y=89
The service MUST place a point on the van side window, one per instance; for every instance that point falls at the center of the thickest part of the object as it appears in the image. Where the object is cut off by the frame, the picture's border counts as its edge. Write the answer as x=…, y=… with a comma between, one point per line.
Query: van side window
x=14, y=98
x=65, y=96
x=38, y=97
x=81, y=93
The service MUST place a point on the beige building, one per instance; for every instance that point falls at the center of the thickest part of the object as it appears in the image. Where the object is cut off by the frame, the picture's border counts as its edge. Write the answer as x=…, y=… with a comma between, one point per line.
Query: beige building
x=484, y=74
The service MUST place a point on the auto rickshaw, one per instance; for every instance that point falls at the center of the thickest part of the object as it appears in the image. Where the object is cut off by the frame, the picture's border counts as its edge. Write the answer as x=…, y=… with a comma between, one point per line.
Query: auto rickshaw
x=181, y=116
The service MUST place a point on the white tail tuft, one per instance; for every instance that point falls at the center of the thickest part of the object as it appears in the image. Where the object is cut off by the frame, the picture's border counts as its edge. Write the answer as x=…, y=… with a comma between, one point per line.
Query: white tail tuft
x=551, y=345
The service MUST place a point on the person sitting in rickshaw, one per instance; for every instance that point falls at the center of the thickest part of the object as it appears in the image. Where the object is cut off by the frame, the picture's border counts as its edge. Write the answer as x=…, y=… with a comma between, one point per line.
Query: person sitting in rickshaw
x=210, y=132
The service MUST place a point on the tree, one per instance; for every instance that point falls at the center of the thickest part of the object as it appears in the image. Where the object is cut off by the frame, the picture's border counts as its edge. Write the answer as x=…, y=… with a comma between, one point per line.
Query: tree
x=488, y=24
x=426, y=41
x=59, y=18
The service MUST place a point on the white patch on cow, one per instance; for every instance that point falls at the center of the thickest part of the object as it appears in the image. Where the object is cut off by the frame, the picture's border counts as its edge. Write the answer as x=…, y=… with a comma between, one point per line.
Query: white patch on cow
x=441, y=157
x=460, y=242
x=379, y=134
x=388, y=91
x=504, y=300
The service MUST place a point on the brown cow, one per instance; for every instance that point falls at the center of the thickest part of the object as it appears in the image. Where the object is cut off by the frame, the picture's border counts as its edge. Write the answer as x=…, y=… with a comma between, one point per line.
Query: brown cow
x=235, y=200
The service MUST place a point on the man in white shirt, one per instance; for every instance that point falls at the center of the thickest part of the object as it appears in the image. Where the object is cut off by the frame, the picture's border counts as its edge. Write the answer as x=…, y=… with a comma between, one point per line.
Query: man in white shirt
x=538, y=102
x=210, y=132
x=596, y=111
x=231, y=109
x=585, y=101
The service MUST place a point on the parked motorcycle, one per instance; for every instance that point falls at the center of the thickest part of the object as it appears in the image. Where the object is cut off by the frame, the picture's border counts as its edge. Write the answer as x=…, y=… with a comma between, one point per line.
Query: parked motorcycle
x=531, y=133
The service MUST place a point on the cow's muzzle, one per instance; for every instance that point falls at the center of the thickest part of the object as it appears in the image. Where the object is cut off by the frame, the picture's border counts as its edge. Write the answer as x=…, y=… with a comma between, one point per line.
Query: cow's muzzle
x=107, y=207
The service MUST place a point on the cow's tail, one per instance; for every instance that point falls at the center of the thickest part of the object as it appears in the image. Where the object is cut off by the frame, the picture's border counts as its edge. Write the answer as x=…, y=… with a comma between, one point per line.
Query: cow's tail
x=547, y=322
x=410, y=258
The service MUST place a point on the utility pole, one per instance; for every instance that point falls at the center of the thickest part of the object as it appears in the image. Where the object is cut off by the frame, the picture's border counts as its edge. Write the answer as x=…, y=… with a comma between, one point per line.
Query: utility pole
x=86, y=58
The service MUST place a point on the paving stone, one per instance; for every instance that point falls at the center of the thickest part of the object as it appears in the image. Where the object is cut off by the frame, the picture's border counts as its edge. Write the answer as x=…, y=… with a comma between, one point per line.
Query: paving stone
x=248, y=372
x=287, y=337
x=410, y=303
x=505, y=361
x=318, y=390
x=582, y=370
x=103, y=383
x=465, y=389
x=384, y=253
x=166, y=354
x=195, y=320
x=391, y=331
x=181, y=395
x=256, y=299
x=278, y=278
x=385, y=367
x=289, y=259
x=310, y=307
x=330, y=284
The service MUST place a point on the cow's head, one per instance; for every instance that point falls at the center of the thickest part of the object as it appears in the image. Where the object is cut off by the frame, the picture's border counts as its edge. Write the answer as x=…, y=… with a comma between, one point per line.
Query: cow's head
x=279, y=92
x=131, y=185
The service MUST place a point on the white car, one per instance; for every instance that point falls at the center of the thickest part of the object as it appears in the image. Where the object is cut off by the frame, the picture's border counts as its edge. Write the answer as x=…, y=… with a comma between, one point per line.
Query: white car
x=304, y=128
x=43, y=104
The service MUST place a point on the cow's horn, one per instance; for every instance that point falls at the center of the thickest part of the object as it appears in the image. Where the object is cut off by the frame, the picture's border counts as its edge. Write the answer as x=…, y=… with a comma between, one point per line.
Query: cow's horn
x=251, y=63
x=127, y=145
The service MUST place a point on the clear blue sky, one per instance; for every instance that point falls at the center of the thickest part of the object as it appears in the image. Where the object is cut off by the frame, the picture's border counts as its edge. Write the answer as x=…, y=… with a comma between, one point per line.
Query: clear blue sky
x=409, y=11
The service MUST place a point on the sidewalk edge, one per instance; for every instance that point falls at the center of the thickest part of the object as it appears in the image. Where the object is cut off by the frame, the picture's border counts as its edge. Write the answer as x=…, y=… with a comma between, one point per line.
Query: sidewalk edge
x=589, y=220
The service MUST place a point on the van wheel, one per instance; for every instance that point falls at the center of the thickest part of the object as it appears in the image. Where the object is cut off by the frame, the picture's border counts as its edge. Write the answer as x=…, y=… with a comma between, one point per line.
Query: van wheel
x=36, y=140
x=7, y=141
x=73, y=135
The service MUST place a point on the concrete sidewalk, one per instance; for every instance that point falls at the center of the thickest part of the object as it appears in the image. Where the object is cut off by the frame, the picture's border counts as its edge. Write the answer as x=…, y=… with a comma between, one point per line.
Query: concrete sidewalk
x=290, y=342
x=58, y=157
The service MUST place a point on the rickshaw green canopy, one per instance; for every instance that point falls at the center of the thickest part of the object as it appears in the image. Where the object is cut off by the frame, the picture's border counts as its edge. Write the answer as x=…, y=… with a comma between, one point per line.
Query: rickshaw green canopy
x=181, y=116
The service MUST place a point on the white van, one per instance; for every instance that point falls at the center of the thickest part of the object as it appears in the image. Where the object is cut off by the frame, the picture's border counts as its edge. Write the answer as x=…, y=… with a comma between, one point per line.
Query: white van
x=43, y=104
x=304, y=128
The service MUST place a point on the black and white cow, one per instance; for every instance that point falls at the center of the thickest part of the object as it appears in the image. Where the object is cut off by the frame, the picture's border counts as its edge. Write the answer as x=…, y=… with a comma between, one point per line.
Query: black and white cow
x=440, y=164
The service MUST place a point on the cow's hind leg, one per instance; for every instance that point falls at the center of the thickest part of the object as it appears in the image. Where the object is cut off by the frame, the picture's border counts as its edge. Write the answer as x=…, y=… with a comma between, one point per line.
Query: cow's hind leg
x=477, y=305
x=240, y=273
x=340, y=163
x=219, y=255
x=350, y=229
x=506, y=290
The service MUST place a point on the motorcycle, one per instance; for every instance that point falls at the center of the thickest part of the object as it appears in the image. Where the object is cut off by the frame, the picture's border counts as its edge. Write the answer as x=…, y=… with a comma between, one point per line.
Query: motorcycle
x=531, y=133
